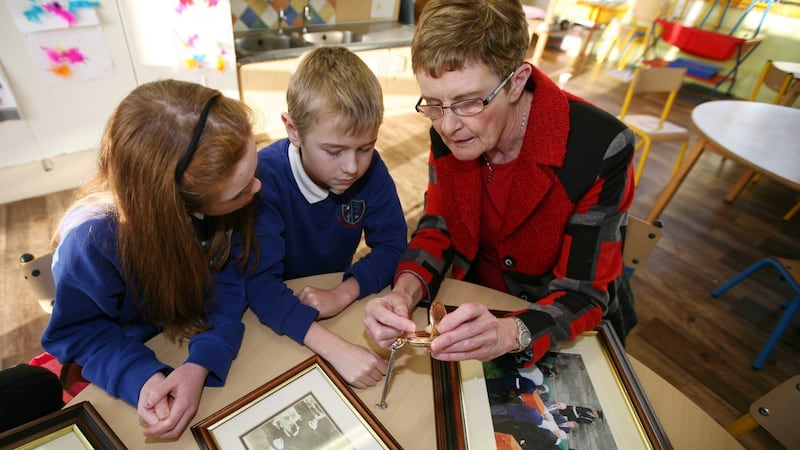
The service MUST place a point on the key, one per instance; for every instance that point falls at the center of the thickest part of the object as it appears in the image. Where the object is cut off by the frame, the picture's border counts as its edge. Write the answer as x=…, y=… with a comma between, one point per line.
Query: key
x=436, y=313
x=392, y=356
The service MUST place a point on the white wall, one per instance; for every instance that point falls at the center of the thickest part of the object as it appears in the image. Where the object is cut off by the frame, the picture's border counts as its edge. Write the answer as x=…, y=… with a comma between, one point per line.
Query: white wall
x=59, y=118
x=62, y=124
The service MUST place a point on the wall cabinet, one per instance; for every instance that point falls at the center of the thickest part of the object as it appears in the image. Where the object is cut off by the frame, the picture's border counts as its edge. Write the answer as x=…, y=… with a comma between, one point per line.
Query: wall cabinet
x=263, y=86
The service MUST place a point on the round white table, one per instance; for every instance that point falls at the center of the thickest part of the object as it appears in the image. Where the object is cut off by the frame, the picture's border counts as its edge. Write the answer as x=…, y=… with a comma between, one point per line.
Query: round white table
x=760, y=136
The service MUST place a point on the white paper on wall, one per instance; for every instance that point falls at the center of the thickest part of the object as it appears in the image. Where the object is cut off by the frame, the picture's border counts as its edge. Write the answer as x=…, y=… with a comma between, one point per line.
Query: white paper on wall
x=69, y=55
x=36, y=15
x=183, y=36
x=8, y=105
x=382, y=9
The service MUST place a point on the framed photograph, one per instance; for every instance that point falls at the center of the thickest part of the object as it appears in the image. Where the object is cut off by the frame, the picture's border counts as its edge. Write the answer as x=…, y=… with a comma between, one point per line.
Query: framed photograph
x=309, y=406
x=78, y=427
x=586, y=395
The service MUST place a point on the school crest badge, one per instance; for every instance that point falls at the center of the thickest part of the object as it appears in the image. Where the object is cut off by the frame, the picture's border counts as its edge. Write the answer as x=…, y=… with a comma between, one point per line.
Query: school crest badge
x=353, y=212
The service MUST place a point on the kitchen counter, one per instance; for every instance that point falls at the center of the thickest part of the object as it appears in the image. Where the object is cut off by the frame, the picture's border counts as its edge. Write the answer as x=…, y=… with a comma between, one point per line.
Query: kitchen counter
x=374, y=35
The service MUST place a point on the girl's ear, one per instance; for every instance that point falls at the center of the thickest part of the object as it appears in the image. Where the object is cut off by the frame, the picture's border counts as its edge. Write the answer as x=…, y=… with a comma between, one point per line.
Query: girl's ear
x=291, y=130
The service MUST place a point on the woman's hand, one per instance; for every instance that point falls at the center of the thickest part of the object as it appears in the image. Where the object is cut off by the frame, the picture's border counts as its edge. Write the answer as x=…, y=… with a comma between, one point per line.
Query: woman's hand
x=472, y=332
x=166, y=405
x=387, y=318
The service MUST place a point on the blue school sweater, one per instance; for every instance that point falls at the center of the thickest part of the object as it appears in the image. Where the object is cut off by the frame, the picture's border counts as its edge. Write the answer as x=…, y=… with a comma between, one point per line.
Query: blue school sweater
x=96, y=324
x=303, y=230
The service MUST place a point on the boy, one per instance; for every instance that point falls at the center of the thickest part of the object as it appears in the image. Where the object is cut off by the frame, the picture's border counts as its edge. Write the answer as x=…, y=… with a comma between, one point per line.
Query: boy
x=323, y=187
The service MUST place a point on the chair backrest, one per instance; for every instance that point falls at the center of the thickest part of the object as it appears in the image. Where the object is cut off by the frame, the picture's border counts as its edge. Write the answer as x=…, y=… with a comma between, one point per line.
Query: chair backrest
x=641, y=237
x=775, y=79
x=40, y=278
x=646, y=11
x=654, y=79
x=776, y=412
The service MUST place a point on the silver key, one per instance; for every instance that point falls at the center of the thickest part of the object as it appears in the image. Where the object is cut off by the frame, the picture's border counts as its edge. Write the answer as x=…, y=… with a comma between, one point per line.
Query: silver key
x=396, y=345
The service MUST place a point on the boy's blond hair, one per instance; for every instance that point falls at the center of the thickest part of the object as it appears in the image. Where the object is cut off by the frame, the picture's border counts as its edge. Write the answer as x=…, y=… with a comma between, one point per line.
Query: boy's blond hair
x=334, y=81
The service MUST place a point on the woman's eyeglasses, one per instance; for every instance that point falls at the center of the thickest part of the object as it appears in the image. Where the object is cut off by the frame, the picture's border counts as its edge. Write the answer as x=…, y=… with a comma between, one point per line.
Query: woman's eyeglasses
x=468, y=107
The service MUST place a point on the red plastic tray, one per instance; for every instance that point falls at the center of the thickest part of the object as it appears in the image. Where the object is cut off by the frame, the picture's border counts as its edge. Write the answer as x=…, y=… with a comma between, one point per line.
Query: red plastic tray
x=698, y=42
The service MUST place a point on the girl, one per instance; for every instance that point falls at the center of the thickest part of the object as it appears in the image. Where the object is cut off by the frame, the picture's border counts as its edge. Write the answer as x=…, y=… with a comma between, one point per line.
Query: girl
x=135, y=255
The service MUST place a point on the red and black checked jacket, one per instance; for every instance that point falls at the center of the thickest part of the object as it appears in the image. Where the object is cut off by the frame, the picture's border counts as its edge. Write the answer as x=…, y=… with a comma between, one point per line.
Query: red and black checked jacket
x=561, y=238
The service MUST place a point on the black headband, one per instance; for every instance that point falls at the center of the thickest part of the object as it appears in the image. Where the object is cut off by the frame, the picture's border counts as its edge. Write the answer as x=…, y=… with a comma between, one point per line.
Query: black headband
x=198, y=130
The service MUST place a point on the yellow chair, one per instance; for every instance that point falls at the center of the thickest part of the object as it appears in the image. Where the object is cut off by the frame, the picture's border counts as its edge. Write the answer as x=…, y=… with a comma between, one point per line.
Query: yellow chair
x=651, y=128
x=634, y=29
x=776, y=412
x=786, y=92
x=778, y=81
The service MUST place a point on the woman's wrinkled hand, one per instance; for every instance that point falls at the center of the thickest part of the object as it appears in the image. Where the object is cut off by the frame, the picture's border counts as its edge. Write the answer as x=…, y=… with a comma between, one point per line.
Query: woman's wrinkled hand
x=471, y=331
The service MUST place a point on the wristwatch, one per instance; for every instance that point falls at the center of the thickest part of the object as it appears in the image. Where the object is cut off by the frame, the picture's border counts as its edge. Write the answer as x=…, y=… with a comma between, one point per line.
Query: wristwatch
x=523, y=335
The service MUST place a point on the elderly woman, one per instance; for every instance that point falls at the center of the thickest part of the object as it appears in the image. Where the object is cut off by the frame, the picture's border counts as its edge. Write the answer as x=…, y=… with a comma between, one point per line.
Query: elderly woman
x=528, y=193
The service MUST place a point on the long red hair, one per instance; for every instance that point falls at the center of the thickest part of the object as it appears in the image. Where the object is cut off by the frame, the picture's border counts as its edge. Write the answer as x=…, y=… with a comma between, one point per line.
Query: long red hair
x=166, y=267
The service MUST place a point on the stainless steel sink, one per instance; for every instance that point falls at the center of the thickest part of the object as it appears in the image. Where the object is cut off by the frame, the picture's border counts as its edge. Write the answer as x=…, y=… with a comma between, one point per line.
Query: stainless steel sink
x=264, y=42
x=332, y=37
x=267, y=44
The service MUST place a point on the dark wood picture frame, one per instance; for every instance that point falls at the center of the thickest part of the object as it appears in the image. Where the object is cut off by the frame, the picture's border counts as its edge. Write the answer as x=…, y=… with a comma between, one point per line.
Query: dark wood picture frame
x=204, y=431
x=81, y=419
x=447, y=390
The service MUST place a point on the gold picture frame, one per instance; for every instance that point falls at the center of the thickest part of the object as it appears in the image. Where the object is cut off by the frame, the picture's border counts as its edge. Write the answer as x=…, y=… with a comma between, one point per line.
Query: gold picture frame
x=466, y=399
x=308, y=406
x=76, y=427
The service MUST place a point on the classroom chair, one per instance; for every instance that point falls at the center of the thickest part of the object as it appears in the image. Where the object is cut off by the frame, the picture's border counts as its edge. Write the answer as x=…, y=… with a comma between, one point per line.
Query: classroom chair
x=641, y=237
x=623, y=36
x=37, y=271
x=789, y=270
x=40, y=278
x=651, y=128
x=776, y=412
x=776, y=80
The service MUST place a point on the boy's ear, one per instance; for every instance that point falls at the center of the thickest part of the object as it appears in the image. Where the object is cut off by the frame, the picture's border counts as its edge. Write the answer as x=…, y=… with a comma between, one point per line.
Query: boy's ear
x=291, y=130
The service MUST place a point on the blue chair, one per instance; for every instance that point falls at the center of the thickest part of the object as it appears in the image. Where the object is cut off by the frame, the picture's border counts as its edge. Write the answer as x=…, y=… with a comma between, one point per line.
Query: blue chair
x=790, y=271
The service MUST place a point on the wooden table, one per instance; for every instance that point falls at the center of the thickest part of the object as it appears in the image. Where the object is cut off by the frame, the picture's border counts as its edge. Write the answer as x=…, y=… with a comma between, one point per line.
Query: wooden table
x=760, y=136
x=410, y=415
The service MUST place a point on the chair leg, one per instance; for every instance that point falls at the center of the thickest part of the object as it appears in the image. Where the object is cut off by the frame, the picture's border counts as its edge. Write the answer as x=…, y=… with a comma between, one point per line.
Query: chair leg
x=642, y=161
x=777, y=332
x=679, y=158
x=622, y=59
x=792, y=212
x=742, y=275
x=742, y=425
x=791, y=307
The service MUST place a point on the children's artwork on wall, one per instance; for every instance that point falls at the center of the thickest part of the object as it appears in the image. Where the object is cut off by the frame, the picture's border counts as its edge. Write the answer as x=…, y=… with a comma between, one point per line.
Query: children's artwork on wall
x=41, y=15
x=69, y=55
x=201, y=45
x=382, y=9
x=8, y=105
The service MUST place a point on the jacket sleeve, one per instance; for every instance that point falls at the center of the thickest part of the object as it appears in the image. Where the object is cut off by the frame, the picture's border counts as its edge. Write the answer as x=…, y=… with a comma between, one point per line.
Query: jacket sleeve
x=430, y=253
x=216, y=348
x=85, y=326
x=271, y=300
x=385, y=232
x=591, y=251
